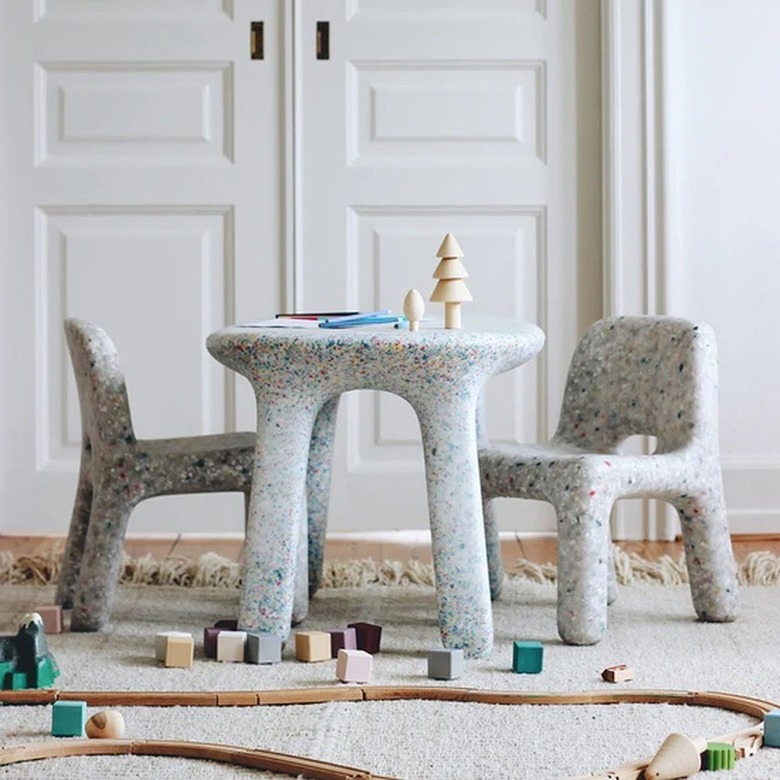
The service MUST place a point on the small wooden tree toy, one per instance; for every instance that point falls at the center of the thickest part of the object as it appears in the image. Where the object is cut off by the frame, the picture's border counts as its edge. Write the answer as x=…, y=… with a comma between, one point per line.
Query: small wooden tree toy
x=450, y=289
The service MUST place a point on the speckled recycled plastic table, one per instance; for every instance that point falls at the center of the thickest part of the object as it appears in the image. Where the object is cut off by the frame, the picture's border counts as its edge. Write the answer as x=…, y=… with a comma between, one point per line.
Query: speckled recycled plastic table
x=297, y=376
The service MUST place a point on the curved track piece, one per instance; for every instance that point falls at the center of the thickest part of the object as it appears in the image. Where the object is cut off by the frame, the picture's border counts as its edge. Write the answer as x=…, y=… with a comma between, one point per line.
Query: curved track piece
x=746, y=741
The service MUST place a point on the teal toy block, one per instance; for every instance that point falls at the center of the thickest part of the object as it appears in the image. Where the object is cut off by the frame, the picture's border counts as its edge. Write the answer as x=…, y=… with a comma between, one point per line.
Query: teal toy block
x=527, y=657
x=772, y=729
x=68, y=718
x=445, y=664
x=717, y=756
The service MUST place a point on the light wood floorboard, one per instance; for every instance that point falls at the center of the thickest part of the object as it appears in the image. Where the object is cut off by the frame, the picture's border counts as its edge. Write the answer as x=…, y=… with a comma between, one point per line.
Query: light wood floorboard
x=536, y=549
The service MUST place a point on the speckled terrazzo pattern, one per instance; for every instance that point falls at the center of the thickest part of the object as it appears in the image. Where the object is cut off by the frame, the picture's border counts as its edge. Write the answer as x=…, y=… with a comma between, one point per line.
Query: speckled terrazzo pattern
x=118, y=470
x=630, y=375
x=440, y=373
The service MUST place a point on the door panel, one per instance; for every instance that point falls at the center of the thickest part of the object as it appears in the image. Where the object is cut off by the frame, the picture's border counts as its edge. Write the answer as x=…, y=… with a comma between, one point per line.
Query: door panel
x=142, y=200
x=435, y=117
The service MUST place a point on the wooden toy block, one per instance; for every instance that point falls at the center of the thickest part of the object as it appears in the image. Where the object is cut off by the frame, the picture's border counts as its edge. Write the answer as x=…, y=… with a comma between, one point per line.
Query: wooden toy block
x=52, y=618
x=227, y=624
x=312, y=646
x=68, y=718
x=527, y=657
x=108, y=724
x=369, y=636
x=180, y=651
x=263, y=648
x=618, y=673
x=354, y=666
x=342, y=639
x=230, y=646
x=772, y=729
x=161, y=642
x=445, y=664
x=717, y=756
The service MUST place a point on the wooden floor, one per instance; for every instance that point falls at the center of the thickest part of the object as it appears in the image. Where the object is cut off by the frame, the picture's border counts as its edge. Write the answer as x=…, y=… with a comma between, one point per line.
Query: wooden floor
x=536, y=549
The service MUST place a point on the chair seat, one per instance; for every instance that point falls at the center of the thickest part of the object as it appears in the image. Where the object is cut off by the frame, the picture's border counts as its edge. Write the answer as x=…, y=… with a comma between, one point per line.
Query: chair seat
x=540, y=472
x=207, y=446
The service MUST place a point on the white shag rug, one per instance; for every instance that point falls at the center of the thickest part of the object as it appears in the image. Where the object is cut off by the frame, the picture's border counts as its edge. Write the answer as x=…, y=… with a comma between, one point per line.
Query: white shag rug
x=652, y=628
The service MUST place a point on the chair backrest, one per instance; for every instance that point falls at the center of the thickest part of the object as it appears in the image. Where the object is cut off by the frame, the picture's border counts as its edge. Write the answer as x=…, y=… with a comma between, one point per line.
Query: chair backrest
x=655, y=376
x=100, y=381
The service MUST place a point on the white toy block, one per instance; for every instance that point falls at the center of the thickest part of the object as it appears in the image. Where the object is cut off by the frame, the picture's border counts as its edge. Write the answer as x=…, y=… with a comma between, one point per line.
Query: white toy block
x=230, y=646
x=161, y=642
x=354, y=666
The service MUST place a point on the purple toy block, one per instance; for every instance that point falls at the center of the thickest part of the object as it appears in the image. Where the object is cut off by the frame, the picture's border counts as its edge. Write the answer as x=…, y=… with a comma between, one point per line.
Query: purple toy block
x=369, y=636
x=342, y=639
x=210, y=641
x=227, y=625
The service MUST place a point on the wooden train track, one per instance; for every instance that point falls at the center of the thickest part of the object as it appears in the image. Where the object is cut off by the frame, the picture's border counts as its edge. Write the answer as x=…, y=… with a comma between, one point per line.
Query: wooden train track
x=746, y=741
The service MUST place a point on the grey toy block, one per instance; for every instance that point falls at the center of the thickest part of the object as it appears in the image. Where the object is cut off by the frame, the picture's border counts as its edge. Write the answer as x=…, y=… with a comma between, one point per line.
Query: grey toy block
x=262, y=648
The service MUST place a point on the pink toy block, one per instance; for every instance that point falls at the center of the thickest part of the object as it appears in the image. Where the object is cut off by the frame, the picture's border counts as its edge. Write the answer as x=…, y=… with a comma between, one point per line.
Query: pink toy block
x=52, y=618
x=354, y=666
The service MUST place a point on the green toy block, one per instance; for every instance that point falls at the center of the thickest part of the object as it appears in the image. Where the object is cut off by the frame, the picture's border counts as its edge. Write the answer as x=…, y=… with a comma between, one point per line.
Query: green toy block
x=772, y=729
x=68, y=718
x=718, y=755
x=527, y=657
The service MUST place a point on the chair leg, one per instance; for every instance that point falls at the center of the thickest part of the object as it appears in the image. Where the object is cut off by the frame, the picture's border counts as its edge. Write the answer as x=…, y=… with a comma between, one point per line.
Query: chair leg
x=612, y=591
x=77, y=534
x=493, y=549
x=318, y=487
x=583, y=557
x=102, y=558
x=712, y=570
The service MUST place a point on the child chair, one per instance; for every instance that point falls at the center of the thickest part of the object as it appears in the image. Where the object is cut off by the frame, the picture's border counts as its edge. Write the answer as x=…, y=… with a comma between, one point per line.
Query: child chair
x=654, y=376
x=118, y=471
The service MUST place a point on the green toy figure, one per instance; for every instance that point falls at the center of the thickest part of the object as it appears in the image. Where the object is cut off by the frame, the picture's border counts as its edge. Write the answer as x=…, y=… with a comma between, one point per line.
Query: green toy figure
x=25, y=660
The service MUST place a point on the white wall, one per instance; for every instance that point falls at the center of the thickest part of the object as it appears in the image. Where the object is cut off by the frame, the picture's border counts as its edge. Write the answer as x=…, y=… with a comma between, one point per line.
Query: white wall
x=722, y=115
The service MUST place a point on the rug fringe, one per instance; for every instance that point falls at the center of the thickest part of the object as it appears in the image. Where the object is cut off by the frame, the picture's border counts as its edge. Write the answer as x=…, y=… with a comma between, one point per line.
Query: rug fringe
x=214, y=571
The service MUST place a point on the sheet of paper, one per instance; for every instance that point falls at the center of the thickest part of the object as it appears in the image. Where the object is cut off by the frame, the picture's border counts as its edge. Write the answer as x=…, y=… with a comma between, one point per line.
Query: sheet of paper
x=281, y=322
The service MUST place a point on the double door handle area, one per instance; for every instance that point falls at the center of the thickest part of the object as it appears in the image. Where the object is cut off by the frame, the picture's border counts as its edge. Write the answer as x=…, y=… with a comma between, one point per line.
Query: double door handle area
x=257, y=40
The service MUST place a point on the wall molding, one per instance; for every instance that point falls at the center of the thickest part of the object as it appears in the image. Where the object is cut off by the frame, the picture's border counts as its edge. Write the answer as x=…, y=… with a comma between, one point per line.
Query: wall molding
x=635, y=176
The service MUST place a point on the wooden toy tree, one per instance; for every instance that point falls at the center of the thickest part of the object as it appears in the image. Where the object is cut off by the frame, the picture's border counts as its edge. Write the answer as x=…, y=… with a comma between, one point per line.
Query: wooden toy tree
x=450, y=290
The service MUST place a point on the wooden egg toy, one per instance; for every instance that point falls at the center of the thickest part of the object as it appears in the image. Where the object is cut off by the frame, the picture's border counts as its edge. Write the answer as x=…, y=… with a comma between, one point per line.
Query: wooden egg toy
x=108, y=724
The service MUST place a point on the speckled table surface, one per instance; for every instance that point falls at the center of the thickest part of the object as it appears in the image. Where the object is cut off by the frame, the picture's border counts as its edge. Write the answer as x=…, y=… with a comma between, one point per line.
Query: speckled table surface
x=297, y=376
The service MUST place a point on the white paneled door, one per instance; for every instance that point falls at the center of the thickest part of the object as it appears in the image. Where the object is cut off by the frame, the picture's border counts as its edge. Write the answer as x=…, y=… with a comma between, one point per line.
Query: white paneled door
x=141, y=191
x=418, y=119
x=160, y=181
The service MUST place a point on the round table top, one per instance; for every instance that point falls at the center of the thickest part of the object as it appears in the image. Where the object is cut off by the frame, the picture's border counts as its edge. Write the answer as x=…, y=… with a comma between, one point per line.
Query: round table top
x=477, y=329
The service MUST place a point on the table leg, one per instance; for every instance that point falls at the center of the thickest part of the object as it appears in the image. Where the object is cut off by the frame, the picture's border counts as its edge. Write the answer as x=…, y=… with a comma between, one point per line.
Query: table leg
x=276, y=516
x=457, y=532
x=318, y=487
